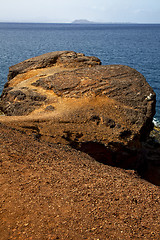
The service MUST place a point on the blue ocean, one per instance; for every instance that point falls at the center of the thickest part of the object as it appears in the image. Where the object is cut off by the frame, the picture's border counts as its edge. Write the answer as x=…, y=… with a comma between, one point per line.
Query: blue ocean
x=135, y=45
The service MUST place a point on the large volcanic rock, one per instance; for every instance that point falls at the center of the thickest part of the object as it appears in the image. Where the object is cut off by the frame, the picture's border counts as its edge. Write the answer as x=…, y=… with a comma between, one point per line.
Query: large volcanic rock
x=66, y=97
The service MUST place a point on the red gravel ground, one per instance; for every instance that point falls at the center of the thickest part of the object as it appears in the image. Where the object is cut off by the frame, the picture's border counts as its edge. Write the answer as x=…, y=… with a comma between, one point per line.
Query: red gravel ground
x=48, y=191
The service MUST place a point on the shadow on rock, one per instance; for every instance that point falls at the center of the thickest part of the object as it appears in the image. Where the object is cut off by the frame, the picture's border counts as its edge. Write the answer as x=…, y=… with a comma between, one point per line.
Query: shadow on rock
x=146, y=162
x=151, y=171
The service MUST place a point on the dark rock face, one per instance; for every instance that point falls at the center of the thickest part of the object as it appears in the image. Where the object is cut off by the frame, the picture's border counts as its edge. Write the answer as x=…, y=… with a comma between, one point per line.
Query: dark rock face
x=21, y=102
x=70, y=98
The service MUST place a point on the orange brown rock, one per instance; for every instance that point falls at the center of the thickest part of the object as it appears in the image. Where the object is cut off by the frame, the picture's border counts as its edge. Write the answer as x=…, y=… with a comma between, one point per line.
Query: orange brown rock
x=68, y=98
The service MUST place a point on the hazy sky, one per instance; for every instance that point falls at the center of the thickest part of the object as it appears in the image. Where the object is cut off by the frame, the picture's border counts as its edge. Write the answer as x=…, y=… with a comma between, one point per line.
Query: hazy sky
x=141, y=11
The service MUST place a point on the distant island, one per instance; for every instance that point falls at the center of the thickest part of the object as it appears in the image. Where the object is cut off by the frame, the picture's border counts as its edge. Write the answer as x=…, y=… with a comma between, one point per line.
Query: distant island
x=82, y=21
x=85, y=21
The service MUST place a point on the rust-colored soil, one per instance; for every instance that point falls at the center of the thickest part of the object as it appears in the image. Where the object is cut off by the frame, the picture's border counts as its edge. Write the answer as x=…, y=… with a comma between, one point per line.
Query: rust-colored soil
x=52, y=192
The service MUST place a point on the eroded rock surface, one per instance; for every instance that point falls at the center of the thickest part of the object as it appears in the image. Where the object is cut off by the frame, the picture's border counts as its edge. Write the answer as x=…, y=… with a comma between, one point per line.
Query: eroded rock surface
x=68, y=98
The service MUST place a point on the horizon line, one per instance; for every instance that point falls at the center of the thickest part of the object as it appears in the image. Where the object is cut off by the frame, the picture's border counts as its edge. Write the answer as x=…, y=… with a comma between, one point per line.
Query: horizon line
x=80, y=23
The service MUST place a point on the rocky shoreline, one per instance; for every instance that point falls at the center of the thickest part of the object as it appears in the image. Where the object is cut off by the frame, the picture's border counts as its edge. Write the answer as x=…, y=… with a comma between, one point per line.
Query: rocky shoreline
x=79, y=156
x=155, y=133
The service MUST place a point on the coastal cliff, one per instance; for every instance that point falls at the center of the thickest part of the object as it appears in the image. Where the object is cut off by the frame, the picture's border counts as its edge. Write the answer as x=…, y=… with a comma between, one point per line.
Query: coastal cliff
x=74, y=136
x=68, y=98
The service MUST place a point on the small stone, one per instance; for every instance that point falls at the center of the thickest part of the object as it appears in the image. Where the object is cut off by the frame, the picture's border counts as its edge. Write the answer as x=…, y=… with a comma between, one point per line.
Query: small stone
x=50, y=108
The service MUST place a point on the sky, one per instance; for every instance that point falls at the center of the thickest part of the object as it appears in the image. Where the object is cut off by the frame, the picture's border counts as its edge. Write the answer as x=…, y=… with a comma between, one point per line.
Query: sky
x=133, y=11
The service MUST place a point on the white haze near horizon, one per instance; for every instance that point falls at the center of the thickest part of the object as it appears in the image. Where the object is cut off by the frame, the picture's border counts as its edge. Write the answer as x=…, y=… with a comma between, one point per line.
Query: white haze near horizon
x=133, y=11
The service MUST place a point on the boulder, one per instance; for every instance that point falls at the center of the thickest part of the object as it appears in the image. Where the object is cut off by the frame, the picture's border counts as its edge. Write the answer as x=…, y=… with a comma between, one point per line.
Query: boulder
x=68, y=98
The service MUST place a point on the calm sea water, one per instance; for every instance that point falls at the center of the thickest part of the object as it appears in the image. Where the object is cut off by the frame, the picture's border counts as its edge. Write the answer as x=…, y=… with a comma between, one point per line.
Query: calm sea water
x=137, y=46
